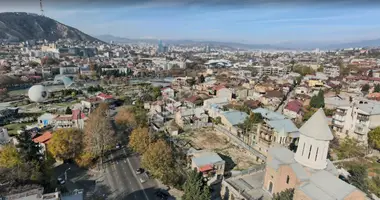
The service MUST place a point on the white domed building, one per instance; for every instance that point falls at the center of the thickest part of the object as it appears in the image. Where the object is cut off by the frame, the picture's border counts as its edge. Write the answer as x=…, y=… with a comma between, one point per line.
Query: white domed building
x=308, y=171
x=38, y=93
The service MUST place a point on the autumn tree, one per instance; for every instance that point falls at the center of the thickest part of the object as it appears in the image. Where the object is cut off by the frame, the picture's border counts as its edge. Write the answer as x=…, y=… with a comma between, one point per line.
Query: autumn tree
x=195, y=188
x=10, y=157
x=158, y=158
x=374, y=138
x=139, y=140
x=99, y=135
x=125, y=117
x=66, y=144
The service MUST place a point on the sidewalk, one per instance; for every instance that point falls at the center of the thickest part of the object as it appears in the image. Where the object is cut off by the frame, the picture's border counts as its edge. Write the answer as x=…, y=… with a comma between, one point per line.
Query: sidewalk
x=177, y=194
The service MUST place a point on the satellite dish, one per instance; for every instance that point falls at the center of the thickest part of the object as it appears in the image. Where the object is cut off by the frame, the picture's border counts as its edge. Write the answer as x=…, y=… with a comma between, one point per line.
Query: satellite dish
x=38, y=93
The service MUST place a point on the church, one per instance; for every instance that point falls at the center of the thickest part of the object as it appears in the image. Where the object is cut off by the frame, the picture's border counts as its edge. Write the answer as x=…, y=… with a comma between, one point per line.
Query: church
x=308, y=171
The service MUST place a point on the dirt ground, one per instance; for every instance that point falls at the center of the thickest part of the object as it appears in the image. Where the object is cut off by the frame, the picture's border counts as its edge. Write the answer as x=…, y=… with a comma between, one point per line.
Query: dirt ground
x=236, y=158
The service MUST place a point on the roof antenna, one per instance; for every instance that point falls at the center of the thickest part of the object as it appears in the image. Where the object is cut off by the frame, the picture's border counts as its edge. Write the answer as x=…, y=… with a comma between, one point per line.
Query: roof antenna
x=41, y=8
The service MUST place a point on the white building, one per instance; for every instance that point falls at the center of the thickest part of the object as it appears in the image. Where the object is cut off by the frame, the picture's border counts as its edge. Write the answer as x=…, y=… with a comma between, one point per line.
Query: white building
x=357, y=120
x=331, y=71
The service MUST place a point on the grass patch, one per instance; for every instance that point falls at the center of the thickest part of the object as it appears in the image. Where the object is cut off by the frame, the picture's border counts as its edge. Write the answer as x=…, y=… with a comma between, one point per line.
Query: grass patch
x=13, y=128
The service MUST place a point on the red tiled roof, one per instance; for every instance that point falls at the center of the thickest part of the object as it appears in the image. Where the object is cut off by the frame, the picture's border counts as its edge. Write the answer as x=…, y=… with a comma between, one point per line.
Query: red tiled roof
x=105, y=96
x=43, y=138
x=63, y=118
x=206, y=168
x=294, y=106
x=192, y=99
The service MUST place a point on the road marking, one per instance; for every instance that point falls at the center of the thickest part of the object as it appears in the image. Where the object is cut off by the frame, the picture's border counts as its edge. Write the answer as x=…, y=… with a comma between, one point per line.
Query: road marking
x=138, y=181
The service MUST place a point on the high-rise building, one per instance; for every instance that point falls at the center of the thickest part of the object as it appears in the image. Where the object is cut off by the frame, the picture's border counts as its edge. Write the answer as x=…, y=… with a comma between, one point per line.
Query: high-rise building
x=160, y=47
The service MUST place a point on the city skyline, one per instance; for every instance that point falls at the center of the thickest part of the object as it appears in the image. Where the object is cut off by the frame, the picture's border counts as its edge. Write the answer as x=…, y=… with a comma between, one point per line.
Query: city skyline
x=259, y=24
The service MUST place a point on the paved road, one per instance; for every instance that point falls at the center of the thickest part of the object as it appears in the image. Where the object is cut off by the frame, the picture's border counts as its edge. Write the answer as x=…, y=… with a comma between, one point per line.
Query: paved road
x=122, y=180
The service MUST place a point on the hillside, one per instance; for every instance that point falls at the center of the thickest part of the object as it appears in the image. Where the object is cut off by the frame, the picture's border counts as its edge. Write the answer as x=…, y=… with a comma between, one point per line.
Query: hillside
x=20, y=26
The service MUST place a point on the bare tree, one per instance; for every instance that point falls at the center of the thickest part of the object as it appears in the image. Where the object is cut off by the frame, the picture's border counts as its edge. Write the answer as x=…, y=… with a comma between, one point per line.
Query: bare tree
x=99, y=135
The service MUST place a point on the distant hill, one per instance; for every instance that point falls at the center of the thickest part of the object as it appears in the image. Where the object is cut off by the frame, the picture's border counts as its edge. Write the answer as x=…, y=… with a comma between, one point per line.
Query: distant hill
x=108, y=38
x=20, y=26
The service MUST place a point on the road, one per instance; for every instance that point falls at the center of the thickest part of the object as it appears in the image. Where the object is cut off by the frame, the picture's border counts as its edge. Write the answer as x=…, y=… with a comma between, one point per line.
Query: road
x=120, y=173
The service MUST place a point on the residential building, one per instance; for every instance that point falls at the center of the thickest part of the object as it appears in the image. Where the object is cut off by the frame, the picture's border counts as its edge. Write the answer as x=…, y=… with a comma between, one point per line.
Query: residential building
x=356, y=120
x=231, y=119
x=308, y=171
x=293, y=110
x=210, y=164
x=224, y=92
x=45, y=120
x=331, y=71
x=167, y=92
x=191, y=118
x=4, y=137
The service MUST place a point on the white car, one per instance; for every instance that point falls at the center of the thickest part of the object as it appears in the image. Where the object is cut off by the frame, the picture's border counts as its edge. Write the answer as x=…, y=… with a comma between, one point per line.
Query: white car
x=61, y=181
x=142, y=180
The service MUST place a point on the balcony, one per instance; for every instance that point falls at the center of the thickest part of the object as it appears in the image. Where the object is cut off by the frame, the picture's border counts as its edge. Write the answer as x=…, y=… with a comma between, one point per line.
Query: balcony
x=363, y=118
x=265, y=142
x=359, y=130
x=337, y=124
x=341, y=112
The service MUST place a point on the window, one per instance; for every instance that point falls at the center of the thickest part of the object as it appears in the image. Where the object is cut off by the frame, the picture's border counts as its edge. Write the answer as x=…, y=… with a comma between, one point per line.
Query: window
x=311, y=146
x=303, y=148
x=316, y=154
x=287, y=179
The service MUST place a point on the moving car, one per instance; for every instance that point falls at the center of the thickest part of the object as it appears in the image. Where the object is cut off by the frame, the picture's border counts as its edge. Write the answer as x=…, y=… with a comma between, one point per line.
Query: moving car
x=61, y=181
x=142, y=180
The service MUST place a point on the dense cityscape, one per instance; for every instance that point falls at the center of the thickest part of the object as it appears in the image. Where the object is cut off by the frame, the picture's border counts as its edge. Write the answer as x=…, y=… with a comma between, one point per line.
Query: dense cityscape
x=142, y=120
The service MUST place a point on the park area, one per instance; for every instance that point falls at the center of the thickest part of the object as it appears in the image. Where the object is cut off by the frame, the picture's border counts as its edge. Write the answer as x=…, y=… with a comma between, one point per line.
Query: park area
x=236, y=158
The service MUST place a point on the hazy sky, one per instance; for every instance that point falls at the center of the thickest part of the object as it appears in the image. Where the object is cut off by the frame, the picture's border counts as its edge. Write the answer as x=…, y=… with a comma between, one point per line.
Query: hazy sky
x=271, y=23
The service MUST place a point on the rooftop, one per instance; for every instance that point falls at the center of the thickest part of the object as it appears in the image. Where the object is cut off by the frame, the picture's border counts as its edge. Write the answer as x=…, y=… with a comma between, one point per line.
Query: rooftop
x=235, y=117
x=317, y=127
x=206, y=158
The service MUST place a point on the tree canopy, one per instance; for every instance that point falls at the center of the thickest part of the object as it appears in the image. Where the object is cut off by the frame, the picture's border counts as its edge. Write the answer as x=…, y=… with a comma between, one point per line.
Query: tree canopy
x=139, y=140
x=350, y=148
x=318, y=101
x=66, y=144
x=28, y=148
x=374, y=138
x=195, y=188
x=158, y=158
x=359, y=177
x=10, y=157
x=284, y=195
x=365, y=88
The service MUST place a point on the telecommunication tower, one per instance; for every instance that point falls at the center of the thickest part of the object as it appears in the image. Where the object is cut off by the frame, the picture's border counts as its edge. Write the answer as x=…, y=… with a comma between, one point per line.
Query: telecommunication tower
x=41, y=8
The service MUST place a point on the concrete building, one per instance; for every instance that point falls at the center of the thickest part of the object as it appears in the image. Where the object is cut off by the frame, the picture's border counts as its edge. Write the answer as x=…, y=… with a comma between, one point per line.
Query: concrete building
x=210, y=164
x=357, y=119
x=331, y=71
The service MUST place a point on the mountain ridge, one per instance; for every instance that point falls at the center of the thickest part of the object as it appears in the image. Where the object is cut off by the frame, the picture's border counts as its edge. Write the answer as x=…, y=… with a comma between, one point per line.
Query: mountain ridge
x=22, y=26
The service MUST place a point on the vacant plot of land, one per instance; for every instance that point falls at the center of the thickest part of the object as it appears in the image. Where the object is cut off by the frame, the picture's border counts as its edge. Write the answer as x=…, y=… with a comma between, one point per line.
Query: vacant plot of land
x=236, y=158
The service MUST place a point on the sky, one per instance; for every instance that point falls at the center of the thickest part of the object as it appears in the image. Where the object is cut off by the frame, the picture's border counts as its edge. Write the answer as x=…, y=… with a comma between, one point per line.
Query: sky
x=272, y=22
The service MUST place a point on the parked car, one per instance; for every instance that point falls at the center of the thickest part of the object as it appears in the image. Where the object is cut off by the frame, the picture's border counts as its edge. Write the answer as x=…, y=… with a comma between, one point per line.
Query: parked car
x=139, y=170
x=142, y=180
x=61, y=181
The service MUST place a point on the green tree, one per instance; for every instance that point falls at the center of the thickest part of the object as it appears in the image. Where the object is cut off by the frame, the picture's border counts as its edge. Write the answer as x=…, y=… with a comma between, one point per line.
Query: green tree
x=374, y=185
x=66, y=144
x=284, y=195
x=28, y=148
x=195, y=188
x=68, y=111
x=370, y=73
x=318, y=101
x=374, y=138
x=308, y=114
x=139, y=140
x=158, y=158
x=350, y=148
x=156, y=91
x=365, y=88
x=377, y=88
x=359, y=177
x=10, y=157
x=201, y=79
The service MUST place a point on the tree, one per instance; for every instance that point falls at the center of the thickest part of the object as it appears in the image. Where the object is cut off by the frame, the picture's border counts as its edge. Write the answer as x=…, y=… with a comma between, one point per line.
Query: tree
x=308, y=114
x=318, y=101
x=350, y=148
x=377, y=88
x=125, y=117
x=139, y=140
x=374, y=185
x=358, y=177
x=66, y=144
x=10, y=157
x=28, y=148
x=370, y=73
x=158, y=158
x=201, y=79
x=195, y=188
x=374, y=138
x=68, y=111
x=156, y=91
x=284, y=195
x=191, y=81
x=365, y=88
x=99, y=136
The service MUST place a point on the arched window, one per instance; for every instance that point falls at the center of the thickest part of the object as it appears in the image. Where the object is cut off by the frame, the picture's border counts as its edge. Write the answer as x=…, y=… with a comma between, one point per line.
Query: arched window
x=270, y=188
x=311, y=146
x=287, y=179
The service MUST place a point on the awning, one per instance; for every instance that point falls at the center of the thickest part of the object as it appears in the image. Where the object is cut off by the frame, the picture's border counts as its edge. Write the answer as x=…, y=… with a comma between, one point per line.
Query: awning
x=206, y=168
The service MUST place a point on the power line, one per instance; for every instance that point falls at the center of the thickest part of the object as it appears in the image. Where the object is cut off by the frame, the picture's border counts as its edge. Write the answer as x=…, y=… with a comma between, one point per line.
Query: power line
x=41, y=8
